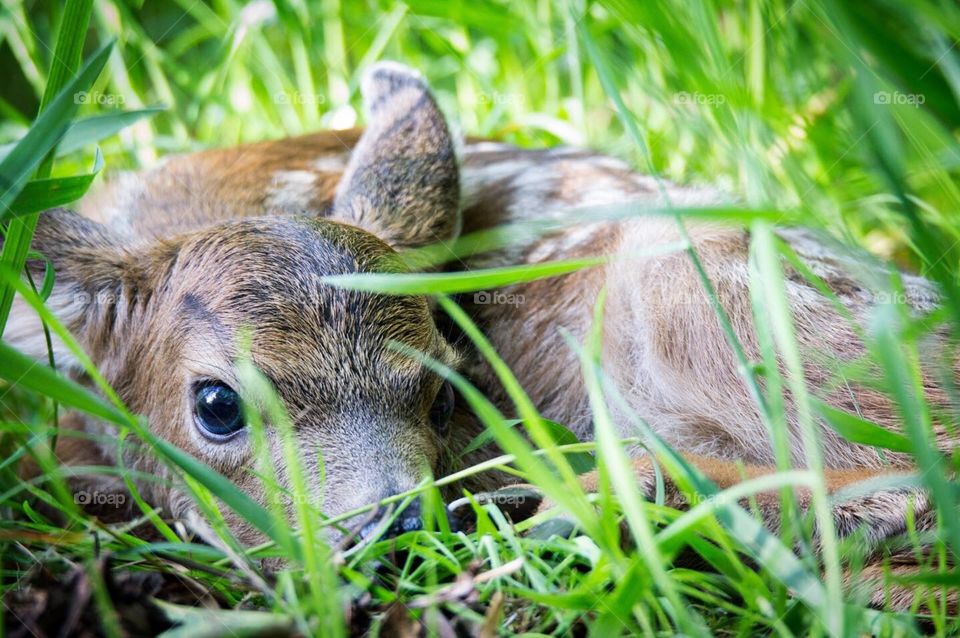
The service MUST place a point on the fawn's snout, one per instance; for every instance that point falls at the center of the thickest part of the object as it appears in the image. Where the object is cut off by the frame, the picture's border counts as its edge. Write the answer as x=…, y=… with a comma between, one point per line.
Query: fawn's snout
x=365, y=465
x=409, y=519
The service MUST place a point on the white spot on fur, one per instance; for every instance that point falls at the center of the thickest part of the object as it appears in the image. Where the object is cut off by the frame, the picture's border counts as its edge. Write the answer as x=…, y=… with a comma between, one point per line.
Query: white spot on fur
x=475, y=180
x=291, y=191
x=24, y=330
x=331, y=163
x=114, y=201
x=565, y=242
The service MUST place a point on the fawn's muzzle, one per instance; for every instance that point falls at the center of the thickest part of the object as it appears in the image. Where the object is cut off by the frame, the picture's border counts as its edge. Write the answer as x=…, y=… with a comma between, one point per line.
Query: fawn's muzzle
x=409, y=520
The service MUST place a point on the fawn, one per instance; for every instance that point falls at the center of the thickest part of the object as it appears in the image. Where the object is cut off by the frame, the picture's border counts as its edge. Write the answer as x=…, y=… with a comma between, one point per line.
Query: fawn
x=161, y=271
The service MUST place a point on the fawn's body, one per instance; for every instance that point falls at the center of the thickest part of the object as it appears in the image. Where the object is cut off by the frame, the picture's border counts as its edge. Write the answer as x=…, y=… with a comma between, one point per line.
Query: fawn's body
x=664, y=345
x=664, y=339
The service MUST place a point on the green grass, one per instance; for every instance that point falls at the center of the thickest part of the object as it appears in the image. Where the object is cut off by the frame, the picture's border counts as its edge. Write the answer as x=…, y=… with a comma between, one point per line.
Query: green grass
x=839, y=117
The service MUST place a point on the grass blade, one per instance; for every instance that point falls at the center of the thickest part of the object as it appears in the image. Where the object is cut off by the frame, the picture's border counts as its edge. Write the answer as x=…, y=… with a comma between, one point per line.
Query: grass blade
x=28, y=154
x=43, y=194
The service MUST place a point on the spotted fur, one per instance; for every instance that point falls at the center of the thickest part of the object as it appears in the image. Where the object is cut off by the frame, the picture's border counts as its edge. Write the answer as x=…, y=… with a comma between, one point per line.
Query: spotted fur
x=162, y=270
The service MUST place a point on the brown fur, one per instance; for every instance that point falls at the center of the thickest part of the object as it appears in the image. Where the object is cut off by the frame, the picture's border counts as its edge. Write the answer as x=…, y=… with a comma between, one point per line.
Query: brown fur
x=189, y=254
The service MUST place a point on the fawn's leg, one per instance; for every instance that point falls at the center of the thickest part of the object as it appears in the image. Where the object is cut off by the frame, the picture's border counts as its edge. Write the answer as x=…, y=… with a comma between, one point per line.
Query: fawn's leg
x=877, y=514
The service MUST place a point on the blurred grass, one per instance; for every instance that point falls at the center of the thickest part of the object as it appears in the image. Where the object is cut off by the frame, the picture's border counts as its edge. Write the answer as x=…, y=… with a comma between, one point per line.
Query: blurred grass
x=753, y=95
x=842, y=116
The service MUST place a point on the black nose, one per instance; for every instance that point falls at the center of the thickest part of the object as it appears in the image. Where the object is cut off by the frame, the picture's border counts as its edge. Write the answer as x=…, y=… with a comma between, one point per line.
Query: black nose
x=409, y=520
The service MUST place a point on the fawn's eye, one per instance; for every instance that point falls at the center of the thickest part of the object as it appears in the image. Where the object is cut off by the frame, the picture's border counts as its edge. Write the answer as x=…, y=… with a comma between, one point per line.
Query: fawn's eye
x=217, y=410
x=442, y=408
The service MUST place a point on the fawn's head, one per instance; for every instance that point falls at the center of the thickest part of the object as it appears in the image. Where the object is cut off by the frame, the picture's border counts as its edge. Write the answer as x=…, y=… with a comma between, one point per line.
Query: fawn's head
x=167, y=320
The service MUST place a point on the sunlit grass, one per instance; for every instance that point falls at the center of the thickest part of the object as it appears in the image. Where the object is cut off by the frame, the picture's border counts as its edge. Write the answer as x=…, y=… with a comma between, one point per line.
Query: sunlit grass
x=807, y=113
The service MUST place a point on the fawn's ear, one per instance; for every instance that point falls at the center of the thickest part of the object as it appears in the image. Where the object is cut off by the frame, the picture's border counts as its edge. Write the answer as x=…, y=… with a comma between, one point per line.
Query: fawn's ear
x=402, y=181
x=92, y=282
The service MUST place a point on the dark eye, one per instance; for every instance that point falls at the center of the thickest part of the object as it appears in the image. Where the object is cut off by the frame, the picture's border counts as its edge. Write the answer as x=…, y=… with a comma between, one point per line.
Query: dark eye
x=216, y=409
x=442, y=408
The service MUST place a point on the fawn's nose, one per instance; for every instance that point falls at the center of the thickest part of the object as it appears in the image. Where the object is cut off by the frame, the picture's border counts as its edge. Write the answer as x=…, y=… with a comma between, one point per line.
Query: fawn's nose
x=409, y=520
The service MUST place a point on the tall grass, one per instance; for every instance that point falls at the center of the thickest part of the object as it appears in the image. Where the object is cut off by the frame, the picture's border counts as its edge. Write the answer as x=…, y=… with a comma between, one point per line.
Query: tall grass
x=840, y=117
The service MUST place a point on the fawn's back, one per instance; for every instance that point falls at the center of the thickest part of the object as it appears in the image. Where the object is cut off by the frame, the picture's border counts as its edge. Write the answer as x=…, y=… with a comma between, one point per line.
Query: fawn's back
x=665, y=346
